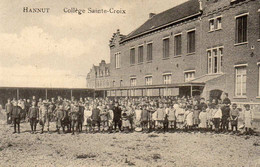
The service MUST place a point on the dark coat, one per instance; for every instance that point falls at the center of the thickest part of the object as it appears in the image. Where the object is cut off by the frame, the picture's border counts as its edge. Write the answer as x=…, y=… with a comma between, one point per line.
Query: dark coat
x=95, y=114
x=15, y=112
x=33, y=112
x=117, y=113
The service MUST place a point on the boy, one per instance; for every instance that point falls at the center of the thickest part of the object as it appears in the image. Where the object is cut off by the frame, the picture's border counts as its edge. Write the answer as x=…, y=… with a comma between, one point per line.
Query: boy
x=110, y=118
x=15, y=116
x=234, y=114
x=43, y=116
x=8, y=109
x=95, y=118
x=217, y=115
x=160, y=117
x=59, y=115
x=74, y=117
x=225, y=115
x=103, y=118
x=33, y=116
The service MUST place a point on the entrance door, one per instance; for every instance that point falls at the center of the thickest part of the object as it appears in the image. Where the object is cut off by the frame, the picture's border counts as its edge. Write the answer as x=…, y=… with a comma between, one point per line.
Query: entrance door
x=215, y=94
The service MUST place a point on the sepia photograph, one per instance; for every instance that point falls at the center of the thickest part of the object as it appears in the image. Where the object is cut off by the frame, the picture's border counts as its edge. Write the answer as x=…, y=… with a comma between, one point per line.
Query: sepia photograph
x=119, y=83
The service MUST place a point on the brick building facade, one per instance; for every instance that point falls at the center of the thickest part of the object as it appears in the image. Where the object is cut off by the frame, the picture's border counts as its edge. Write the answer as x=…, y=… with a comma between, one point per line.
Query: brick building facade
x=98, y=76
x=200, y=47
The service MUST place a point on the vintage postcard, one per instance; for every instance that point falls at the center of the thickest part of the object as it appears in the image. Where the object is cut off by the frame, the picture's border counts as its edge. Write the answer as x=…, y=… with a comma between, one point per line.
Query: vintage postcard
x=130, y=83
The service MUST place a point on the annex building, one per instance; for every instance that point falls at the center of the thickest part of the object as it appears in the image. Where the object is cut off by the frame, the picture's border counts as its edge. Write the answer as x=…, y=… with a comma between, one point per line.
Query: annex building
x=200, y=47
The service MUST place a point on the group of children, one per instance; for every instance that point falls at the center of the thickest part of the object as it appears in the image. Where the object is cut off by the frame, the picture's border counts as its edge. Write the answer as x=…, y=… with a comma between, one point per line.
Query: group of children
x=131, y=114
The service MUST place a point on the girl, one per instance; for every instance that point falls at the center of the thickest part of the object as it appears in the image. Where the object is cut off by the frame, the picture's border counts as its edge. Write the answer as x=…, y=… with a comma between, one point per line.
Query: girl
x=87, y=118
x=248, y=119
x=180, y=115
x=144, y=118
x=188, y=116
x=171, y=117
x=203, y=119
x=209, y=117
x=125, y=120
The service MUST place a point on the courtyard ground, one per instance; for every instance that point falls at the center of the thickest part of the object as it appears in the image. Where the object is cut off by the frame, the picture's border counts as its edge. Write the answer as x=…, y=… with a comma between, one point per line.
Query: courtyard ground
x=135, y=149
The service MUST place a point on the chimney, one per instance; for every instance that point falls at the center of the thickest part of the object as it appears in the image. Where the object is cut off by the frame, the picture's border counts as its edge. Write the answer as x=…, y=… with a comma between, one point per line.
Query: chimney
x=151, y=15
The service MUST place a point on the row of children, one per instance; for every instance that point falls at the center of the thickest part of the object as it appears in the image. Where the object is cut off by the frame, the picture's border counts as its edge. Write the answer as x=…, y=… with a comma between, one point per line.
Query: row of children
x=129, y=114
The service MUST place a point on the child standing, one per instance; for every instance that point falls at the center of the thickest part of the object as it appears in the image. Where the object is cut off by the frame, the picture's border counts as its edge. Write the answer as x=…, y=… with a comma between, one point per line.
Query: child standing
x=248, y=119
x=203, y=119
x=217, y=115
x=110, y=118
x=171, y=117
x=15, y=116
x=188, y=116
x=103, y=118
x=160, y=117
x=125, y=120
x=196, y=113
x=144, y=119
x=234, y=114
x=209, y=117
x=87, y=118
x=180, y=115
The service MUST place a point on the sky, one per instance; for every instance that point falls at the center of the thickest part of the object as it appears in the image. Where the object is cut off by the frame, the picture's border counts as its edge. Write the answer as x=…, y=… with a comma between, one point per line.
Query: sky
x=57, y=49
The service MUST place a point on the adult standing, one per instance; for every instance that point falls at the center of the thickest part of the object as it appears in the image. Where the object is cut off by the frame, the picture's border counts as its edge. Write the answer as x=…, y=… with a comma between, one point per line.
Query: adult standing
x=8, y=109
x=117, y=116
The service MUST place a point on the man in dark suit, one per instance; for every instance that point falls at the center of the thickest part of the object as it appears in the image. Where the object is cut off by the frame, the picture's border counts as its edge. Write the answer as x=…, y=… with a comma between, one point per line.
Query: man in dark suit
x=117, y=116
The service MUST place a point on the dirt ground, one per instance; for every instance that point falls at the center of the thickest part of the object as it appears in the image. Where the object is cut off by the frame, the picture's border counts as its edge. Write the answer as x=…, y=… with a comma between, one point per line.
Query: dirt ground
x=135, y=149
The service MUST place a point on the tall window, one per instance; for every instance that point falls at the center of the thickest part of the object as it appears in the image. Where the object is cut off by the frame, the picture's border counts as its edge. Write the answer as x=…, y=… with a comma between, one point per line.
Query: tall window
x=148, y=80
x=117, y=60
x=259, y=23
x=211, y=25
x=188, y=76
x=150, y=52
x=215, y=60
x=140, y=54
x=166, y=43
x=114, y=83
x=132, y=81
x=240, y=89
x=132, y=56
x=177, y=45
x=241, y=29
x=191, y=42
x=218, y=23
x=221, y=60
x=258, y=78
x=209, y=61
x=167, y=78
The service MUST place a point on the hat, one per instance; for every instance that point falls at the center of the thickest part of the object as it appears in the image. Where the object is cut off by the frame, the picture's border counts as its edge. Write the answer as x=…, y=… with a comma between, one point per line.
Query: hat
x=247, y=105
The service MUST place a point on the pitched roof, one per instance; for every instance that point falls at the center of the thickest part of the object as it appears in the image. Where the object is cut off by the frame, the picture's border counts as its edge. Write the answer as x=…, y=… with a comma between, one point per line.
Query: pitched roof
x=176, y=13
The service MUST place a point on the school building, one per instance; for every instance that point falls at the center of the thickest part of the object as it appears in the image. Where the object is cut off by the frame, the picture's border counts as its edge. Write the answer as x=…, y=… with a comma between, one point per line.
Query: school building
x=200, y=47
